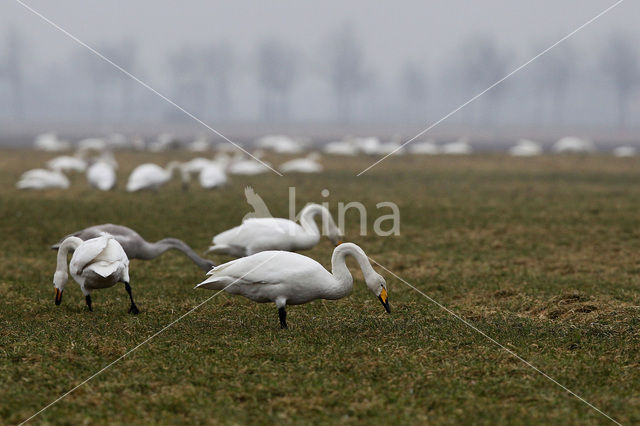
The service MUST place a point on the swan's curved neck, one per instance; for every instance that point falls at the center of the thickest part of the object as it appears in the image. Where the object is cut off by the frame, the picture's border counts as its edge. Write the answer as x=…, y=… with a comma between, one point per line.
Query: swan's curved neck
x=341, y=272
x=67, y=245
x=308, y=214
x=152, y=250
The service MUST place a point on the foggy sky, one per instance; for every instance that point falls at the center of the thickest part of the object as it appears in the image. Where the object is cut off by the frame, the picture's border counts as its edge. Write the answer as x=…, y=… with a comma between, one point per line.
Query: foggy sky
x=391, y=33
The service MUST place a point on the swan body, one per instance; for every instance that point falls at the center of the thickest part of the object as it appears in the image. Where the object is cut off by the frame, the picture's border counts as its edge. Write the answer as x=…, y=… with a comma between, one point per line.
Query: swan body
x=459, y=147
x=525, y=148
x=571, y=144
x=261, y=234
x=625, y=151
x=423, y=148
x=50, y=142
x=196, y=165
x=101, y=175
x=368, y=145
x=309, y=164
x=42, y=179
x=286, y=278
x=137, y=247
x=95, y=264
x=345, y=148
x=212, y=176
x=200, y=144
x=152, y=176
x=280, y=144
x=67, y=163
x=92, y=144
x=247, y=168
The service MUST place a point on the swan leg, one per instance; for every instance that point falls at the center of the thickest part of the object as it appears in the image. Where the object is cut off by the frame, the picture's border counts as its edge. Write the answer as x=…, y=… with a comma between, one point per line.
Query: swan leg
x=87, y=299
x=282, y=314
x=133, y=309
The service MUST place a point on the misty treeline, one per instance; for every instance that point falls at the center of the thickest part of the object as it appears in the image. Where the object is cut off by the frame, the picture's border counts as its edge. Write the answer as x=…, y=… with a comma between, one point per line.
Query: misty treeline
x=593, y=85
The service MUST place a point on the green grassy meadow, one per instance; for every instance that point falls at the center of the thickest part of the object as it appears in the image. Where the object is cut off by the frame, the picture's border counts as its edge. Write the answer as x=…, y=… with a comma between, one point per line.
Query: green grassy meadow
x=542, y=254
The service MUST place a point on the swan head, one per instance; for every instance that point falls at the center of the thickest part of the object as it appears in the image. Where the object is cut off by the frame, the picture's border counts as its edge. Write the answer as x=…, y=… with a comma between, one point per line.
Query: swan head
x=335, y=235
x=378, y=286
x=60, y=278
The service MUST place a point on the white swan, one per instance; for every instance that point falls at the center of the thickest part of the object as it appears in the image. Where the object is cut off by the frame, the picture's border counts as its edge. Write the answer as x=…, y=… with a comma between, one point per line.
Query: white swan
x=96, y=263
x=248, y=167
x=101, y=175
x=573, y=145
x=427, y=147
x=42, y=179
x=152, y=176
x=309, y=164
x=459, y=147
x=625, y=151
x=261, y=234
x=345, y=147
x=212, y=176
x=67, y=163
x=50, y=142
x=280, y=144
x=286, y=278
x=525, y=148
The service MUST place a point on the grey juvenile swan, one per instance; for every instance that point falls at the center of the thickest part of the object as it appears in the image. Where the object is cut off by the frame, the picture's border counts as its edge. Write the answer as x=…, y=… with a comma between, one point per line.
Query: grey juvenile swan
x=136, y=247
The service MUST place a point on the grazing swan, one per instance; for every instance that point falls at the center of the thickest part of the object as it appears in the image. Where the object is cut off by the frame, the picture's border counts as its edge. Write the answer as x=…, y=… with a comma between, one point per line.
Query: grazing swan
x=101, y=175
x=96, y=263
x=267, y=233
x=136, y=247
x=310, y=164
x=293, y=279
x=42, y=179
x=152, y=176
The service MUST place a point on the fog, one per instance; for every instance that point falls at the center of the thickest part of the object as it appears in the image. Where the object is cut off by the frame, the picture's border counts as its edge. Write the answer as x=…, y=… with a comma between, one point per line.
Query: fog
x=400, y=63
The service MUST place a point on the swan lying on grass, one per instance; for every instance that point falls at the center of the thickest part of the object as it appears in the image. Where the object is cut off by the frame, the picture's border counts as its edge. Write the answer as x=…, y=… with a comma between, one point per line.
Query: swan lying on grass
x=42, y=179
x=96, y=263
x=286, y=278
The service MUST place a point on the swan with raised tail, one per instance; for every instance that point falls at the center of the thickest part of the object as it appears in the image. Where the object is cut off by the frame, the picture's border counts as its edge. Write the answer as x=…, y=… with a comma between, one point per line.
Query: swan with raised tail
x=286, y=278
x=137, y=247
x=267, y=233
x=96, y=263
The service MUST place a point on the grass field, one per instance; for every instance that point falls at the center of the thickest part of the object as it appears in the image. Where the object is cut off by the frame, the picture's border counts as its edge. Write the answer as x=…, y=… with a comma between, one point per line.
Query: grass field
x=541, y=254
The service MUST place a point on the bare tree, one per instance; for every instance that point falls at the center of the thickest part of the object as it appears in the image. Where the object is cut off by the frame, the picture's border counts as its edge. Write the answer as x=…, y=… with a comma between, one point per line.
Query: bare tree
x=99, y=75
x=347, y=74
x=481, y=63
x=218, y=63
x=124, y=54
x=414, y=89
x=551, y=77
x=189, y=78
x=277, y=73
x=13, y=69
x=619, y=61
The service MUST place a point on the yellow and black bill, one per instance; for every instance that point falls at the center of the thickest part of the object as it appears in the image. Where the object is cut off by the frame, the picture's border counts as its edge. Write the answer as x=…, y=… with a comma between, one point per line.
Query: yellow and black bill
x=58, y=297
x=384, y=299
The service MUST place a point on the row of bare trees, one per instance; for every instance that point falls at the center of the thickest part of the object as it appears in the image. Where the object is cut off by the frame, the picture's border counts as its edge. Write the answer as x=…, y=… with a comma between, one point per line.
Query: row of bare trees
x=203, y=77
